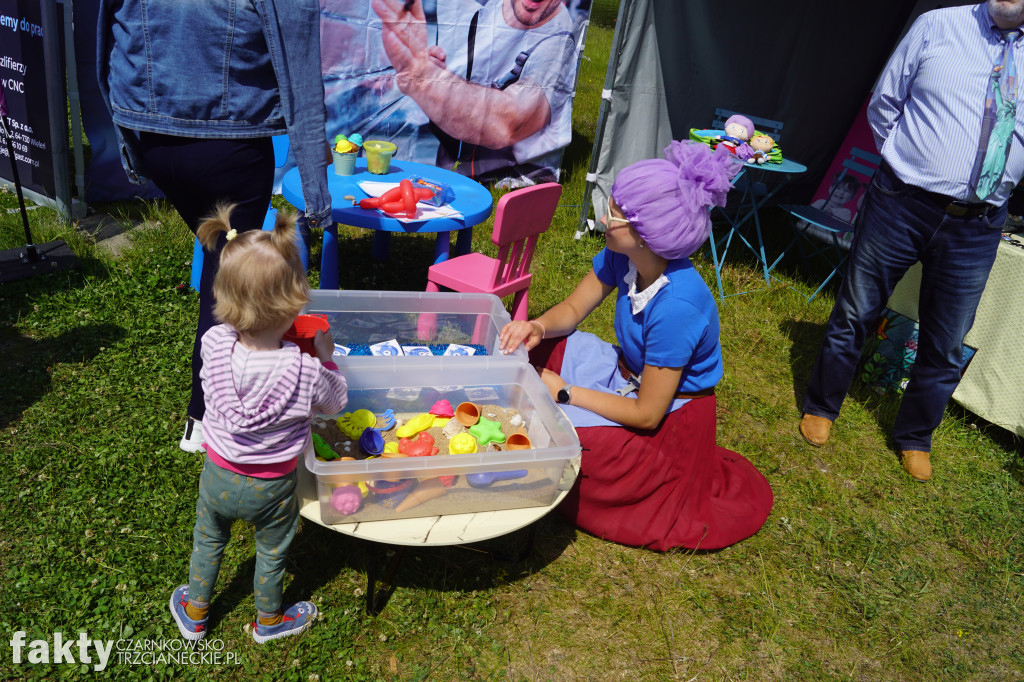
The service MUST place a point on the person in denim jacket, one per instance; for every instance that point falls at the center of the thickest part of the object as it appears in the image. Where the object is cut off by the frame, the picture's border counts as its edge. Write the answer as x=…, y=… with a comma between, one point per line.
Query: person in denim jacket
x=196, y=90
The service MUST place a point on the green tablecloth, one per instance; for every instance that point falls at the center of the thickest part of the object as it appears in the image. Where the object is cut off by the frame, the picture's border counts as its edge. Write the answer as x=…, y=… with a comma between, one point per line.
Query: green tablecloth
x=993, y=385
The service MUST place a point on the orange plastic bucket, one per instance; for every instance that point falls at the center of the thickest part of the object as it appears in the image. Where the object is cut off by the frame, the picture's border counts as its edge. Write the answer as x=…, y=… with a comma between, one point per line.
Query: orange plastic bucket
x=303, y=330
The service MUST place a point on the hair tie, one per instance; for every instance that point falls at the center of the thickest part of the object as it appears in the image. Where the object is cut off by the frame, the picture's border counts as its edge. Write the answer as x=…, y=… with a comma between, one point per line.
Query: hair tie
x=232, y=233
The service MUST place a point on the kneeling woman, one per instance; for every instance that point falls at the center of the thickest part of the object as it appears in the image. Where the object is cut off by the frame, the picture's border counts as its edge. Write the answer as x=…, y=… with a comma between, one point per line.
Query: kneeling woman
x=652, y=475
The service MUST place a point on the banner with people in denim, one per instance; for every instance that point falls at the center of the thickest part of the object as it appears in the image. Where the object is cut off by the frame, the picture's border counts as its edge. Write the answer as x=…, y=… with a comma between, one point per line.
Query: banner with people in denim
x=481, y=88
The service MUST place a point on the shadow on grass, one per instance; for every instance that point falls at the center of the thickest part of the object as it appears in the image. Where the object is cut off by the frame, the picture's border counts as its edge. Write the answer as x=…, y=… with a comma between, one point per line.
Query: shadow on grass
x=319, y=555
x=405, y=270
x=1005, y=439
x=25, y=363
x=805, y=340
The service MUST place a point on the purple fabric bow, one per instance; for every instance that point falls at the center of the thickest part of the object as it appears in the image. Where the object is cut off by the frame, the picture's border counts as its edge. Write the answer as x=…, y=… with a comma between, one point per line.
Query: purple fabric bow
x=667, y=200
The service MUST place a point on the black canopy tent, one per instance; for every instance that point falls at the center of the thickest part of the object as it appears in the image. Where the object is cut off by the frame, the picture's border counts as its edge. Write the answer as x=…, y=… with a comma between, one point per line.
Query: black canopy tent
x=810, y=65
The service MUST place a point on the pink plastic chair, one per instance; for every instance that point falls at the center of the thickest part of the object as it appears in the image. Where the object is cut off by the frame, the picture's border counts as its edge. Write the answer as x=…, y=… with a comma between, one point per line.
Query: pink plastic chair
x=522, y=215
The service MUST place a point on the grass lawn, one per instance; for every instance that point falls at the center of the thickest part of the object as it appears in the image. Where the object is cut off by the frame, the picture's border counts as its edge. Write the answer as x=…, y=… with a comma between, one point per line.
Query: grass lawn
x=858, y=573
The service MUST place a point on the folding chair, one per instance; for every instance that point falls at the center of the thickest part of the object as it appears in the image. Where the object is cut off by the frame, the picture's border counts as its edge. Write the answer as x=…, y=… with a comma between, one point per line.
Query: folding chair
x=765, y=125
x=827, y=224
x=752, y=194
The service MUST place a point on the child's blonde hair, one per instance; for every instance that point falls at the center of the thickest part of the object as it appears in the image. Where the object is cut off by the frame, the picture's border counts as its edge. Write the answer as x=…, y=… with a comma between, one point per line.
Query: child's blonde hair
x=261, y=283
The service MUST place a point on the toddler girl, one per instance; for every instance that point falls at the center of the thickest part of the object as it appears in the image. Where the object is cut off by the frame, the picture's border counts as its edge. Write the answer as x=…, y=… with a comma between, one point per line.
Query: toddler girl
x=261, y=394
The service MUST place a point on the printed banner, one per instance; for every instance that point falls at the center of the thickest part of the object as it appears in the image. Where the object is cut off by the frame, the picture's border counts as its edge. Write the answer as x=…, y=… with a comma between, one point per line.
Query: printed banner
x=23, y=80
x=482, y=88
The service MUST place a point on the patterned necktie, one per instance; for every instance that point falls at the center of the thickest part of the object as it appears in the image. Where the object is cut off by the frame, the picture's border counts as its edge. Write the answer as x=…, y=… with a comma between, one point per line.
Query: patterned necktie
x=998, y=122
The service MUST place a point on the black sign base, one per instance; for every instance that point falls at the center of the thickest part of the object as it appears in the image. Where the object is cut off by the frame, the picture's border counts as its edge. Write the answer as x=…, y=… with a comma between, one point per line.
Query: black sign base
x=50, y=257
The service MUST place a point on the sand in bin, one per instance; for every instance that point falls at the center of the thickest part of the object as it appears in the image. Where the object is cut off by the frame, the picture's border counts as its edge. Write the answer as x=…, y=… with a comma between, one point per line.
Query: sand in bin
x=537, y=488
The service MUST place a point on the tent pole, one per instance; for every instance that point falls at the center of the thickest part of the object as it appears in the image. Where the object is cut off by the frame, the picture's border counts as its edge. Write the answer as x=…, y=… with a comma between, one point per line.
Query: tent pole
x=602, y=116
x=78, y=208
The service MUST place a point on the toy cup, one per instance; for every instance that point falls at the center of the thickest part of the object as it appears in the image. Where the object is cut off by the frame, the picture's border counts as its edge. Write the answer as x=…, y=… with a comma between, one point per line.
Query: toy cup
x=371, y=442
x=344, y=164
x=467, y=414
x=518, y=441
x=303, y=329
x=390, y=494
x=346, y=499
x=378, y=156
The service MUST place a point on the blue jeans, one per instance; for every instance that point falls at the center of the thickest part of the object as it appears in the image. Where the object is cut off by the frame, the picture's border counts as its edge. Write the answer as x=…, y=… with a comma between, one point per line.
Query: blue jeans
x=898, y=225
x=267, y=503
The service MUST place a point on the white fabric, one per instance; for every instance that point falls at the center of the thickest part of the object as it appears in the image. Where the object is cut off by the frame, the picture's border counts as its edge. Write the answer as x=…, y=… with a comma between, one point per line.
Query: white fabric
x=638, y=300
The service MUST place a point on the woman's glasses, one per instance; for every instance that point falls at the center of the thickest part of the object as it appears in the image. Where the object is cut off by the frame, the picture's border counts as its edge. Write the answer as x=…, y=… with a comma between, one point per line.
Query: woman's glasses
x=612, y=219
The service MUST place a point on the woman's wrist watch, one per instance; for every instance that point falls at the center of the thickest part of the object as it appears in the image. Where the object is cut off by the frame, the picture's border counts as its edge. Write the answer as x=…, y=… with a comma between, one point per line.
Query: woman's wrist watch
x=564, y=394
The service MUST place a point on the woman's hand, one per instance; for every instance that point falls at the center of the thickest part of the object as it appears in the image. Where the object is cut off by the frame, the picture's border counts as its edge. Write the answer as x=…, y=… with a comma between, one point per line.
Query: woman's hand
x=519, y=332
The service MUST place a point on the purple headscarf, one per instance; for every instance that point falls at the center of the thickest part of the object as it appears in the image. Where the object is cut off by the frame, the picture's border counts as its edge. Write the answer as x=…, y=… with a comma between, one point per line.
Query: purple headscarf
x=667, y=200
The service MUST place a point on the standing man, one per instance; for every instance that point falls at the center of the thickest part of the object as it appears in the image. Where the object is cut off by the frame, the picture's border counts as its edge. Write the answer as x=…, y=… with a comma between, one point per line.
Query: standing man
x=946, y=122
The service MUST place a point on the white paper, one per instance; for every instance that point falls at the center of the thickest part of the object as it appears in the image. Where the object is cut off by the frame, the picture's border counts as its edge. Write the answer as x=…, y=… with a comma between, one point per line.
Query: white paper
x=388, y=348
x=459, y=349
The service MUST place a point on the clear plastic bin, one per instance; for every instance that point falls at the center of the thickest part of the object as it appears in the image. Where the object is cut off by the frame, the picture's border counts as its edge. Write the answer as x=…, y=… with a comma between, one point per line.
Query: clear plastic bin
x=508, y=479
x=360, y=319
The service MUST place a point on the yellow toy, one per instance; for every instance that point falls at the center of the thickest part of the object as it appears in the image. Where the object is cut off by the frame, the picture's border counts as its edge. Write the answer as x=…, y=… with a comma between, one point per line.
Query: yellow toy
x=352, y=424
x=462, y=444
x=347, y=145
x=418, y=423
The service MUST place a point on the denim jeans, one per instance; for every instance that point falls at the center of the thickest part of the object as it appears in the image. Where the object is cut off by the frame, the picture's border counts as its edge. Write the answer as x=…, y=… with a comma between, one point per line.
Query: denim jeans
x=898, y=225
x=267, y=503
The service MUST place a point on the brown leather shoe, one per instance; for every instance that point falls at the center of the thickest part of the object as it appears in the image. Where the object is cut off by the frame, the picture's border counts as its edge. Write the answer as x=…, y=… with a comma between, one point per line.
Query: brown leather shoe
x=815, y=430
x=917, y=464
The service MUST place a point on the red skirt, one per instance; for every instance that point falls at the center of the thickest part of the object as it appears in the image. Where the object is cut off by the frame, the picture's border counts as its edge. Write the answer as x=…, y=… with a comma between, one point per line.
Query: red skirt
x=664, y=488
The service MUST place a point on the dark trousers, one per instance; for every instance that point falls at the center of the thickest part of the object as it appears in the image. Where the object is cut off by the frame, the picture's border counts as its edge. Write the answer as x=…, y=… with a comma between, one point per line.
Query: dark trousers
x=898, y=225
x=195, y=175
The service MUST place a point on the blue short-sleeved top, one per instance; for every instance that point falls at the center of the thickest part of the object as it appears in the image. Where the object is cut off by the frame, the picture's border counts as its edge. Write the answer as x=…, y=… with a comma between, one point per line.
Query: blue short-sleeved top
x=677, y=328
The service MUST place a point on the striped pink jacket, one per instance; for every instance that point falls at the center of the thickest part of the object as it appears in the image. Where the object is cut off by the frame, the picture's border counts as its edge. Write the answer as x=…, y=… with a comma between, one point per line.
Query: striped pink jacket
x=259, y=404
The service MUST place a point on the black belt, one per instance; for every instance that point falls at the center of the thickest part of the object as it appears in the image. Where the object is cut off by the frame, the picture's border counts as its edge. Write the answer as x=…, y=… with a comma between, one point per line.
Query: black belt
x=947, y=204
x=957, y=208
x=680, y=395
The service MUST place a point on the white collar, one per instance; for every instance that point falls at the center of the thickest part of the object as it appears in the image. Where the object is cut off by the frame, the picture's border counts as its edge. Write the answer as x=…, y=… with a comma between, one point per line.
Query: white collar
x=638, y=300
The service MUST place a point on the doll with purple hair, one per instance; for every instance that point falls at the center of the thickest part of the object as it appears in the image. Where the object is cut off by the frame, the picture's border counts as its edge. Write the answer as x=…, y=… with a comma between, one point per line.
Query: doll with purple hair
x=651, y=473
x=738, y=131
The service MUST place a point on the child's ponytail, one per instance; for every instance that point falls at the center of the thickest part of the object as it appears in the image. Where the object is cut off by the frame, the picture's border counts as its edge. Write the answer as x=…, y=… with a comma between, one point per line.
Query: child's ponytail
x=284, y=236
x=210, y=229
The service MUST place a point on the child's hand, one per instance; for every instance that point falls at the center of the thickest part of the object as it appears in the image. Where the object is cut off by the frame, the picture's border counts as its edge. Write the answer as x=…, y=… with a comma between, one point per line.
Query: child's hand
x=323, y=344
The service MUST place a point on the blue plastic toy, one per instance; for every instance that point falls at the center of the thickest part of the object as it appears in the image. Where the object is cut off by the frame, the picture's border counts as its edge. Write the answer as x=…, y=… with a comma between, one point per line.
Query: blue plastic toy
x=486, y=478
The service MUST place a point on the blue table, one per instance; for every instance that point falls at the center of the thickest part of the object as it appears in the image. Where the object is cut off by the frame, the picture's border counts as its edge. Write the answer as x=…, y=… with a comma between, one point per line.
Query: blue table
x=472, y=200
x=754, y=194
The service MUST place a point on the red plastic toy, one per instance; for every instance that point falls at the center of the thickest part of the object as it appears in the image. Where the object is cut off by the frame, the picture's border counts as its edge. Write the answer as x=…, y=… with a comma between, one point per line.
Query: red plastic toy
x=399, y=199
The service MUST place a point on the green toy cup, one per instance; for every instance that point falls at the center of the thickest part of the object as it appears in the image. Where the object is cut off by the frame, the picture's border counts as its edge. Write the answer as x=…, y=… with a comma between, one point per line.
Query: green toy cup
x=345, y=164
x=378, y=156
